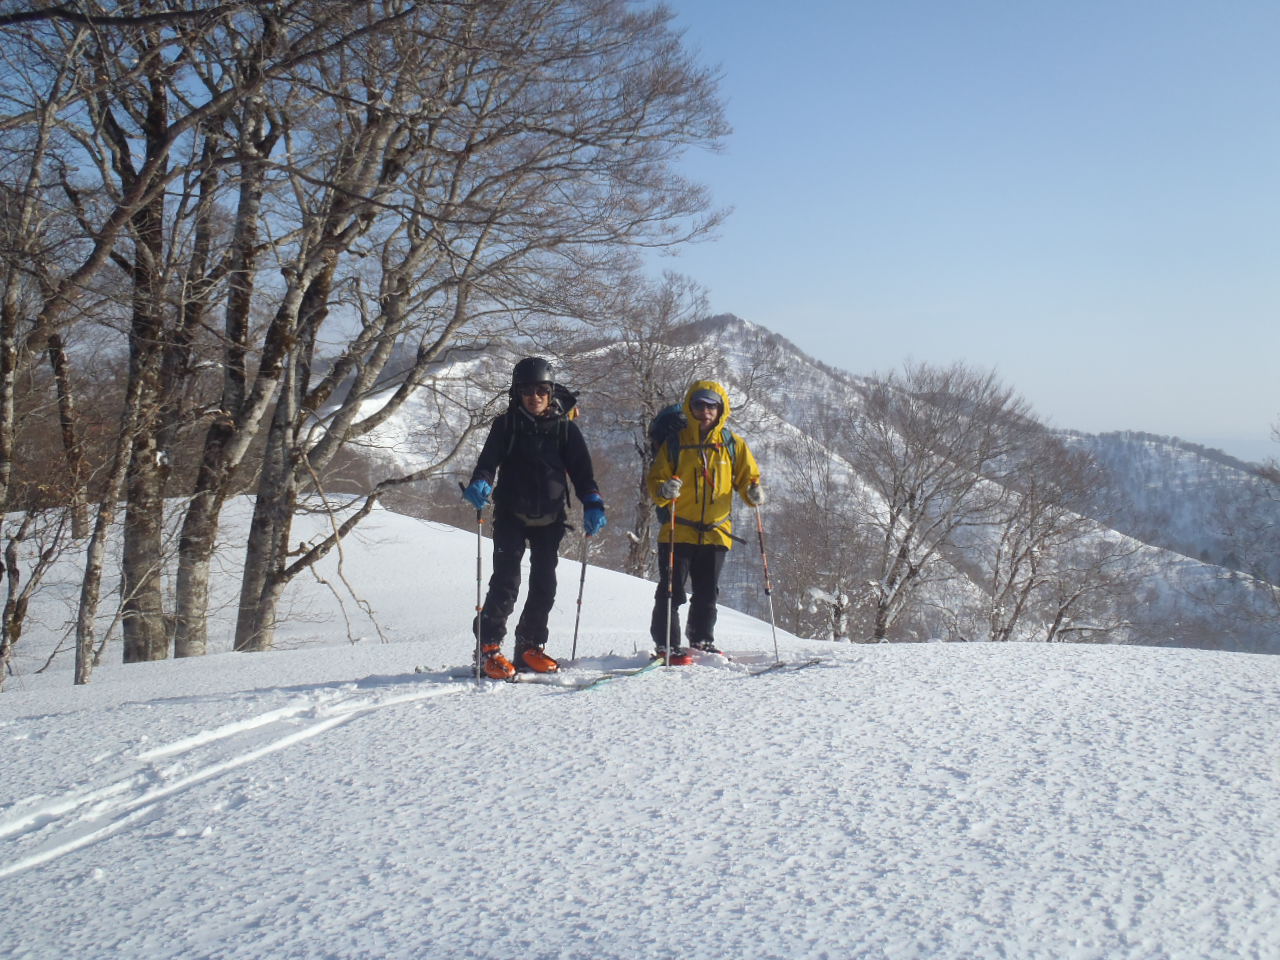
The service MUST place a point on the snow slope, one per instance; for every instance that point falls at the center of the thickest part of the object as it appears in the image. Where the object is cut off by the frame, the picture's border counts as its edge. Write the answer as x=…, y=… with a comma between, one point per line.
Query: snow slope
x=894, y=801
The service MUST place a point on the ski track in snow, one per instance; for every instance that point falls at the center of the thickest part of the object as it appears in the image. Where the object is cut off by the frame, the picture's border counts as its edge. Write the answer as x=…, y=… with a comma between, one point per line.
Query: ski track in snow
x=86, y=814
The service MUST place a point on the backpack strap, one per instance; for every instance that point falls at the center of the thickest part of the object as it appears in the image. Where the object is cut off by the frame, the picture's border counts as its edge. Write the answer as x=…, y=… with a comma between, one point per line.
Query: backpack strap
x=511, y=431
x=710, y=528
x=673, y=450
x=562, y=431
x=727, y=438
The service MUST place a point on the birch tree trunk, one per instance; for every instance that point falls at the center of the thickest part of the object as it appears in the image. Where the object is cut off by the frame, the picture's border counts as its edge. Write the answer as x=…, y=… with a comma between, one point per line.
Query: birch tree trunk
x=235, y=422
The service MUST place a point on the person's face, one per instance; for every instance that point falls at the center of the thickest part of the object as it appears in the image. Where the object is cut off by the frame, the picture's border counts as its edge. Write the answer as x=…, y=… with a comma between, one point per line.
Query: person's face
x=705, y=413
x=536, y=397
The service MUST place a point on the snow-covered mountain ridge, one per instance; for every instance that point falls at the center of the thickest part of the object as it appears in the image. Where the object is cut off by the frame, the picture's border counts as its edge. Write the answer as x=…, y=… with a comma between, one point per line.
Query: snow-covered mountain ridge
x=1184, y=497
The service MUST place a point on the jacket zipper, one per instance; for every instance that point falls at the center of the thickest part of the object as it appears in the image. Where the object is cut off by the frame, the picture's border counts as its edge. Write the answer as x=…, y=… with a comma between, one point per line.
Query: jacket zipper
x=705, y=456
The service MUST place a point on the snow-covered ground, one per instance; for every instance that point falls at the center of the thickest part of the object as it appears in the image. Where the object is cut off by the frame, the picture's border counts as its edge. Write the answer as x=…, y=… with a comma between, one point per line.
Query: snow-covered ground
x=326, y=801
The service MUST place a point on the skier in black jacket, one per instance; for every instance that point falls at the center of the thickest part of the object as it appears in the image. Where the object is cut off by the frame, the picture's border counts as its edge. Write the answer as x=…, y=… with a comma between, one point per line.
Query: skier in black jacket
x=532, y=452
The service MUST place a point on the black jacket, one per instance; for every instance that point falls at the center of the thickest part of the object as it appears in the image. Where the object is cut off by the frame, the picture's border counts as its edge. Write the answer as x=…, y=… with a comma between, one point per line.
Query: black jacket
x=533, y=460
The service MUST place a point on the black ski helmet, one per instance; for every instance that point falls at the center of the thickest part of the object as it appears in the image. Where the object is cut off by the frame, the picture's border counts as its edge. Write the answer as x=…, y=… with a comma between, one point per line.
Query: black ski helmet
x=531, y=370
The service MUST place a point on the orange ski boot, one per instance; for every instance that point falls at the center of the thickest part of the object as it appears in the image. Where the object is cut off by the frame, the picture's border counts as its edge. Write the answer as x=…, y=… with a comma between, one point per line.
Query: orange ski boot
x=493, y=664
x=534, y=660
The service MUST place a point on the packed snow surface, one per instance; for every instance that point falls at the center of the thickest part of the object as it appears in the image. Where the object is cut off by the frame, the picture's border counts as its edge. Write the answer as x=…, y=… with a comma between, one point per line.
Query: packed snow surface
x=899, y=801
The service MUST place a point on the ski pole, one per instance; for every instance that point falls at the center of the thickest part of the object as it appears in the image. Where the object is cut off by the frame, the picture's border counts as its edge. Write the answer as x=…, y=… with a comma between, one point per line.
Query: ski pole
x=671, y=583
x=768, y=587
x=582, y=583
x=479, y=575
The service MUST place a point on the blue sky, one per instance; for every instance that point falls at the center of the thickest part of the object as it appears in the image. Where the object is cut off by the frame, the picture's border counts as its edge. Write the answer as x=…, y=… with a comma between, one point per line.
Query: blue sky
x=1083, y=195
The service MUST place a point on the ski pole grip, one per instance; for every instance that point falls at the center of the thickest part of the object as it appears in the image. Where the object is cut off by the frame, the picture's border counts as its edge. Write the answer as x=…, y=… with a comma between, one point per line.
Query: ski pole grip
x=479, y=510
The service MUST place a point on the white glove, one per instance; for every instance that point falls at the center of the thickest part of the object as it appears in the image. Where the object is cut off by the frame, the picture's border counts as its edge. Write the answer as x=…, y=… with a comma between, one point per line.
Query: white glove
x=755, y=495
x=670, y=489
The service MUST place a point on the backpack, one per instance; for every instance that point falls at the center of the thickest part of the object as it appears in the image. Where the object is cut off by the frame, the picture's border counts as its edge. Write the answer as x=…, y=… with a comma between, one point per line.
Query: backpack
x=664, y=430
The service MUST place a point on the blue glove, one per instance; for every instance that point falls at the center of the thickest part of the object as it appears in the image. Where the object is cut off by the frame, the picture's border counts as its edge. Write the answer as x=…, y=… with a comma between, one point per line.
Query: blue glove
x=593, y=517
x=478, y=494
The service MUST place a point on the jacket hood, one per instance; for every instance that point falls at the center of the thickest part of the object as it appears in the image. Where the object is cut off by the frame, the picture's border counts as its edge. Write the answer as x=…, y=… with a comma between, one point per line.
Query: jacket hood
x=714, y=387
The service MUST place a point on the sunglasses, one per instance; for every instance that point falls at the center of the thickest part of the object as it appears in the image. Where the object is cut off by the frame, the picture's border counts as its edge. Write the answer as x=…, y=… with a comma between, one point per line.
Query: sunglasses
x=534, y=389
x=704, y=405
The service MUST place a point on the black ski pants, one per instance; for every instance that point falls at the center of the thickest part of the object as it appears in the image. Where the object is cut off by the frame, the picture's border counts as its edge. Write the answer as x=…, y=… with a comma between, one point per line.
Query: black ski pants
x=510, y=536
x=700, y=565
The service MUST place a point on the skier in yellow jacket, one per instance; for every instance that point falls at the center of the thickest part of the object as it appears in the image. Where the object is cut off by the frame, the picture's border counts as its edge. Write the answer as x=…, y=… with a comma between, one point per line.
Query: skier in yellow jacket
x=696, y=487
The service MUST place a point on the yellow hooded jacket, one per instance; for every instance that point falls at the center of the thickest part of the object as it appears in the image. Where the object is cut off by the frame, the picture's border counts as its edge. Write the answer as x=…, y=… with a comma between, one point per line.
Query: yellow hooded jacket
x=709, y=477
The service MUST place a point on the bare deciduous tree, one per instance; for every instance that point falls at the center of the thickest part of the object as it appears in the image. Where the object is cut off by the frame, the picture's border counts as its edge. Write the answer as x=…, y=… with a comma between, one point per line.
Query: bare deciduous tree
x=507, y=151
x=927, y=444
x=125, y=108
x=823, y=571
x=1051, y=571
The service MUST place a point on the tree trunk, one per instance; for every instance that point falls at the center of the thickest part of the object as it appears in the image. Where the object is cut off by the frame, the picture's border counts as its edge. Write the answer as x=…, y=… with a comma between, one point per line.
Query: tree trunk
x=267, y=545
x=640, y=553
x=191, y=594
x=15, y=605
x=91, y=582
x=219, y=459
x=91, y=588
x=881, y=631
x=268, y=538
x=145, y=633
x=76, y=470
x=144, y=627
x=8, y=399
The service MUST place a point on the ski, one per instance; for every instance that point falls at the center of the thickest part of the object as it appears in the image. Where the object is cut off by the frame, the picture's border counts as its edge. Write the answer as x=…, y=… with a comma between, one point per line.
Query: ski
x=571, y=684
x=608, y=675
x=553, y=679
x=557, y=679
x=784, y=666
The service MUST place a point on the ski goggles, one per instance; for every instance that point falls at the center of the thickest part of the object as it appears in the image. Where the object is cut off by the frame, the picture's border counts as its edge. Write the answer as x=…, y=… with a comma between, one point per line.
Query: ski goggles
x=534, y=389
